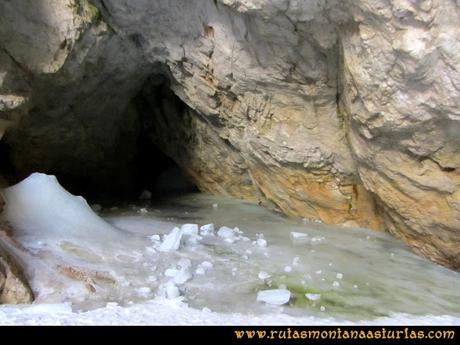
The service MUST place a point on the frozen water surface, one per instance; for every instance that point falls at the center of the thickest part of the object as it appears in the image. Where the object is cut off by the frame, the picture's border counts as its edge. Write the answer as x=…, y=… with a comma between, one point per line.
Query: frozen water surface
x=134, y=260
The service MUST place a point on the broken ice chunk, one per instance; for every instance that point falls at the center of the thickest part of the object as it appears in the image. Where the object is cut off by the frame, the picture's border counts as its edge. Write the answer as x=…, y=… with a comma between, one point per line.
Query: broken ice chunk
x=237, y=230
x=288, y=269
x=296, y=261
x=171, y=241
x=144, y=292
x=263, y=275
x=317, y=240
x=182, y=276
x=155, y=238
x=203, y=267
x=226, y=232
x=313, y=296
x=190, y=229
x=200, y=271
x=179, y=276
x=171, y=272
x=184, y=263
x=274, y=297
x=207, y=230
x=207, y=265
x=339, y=276
x=234, y=270
x=336, y=284
x=261, y=242
x=299, y=237
x=172, y=291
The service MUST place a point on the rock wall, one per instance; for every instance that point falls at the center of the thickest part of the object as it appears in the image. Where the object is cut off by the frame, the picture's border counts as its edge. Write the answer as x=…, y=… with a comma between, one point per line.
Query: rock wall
x=342, y=111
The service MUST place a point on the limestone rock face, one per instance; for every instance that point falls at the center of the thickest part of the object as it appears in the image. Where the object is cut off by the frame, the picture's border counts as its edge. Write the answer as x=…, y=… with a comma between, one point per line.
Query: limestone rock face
x=401, y=101
x=342, y=111
x=13, y=286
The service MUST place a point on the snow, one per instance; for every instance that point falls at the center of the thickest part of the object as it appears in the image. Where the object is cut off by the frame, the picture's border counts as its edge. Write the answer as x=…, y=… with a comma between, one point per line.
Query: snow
x=171, y=241
x=274, y=297
x=162, y=311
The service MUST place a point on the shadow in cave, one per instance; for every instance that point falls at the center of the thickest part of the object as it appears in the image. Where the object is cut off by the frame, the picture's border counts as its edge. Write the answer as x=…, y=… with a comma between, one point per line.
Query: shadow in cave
x=159, y=174
x=153, y=170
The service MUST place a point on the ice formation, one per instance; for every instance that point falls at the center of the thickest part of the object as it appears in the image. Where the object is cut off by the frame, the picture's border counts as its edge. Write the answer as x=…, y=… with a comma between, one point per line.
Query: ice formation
x=299, y=237
x=207, y=230
x=206, y=274
x=263, y=275
x=190, y=229
x=312, y=296
x=40, y=206
x=172, y=241
x=226, y=233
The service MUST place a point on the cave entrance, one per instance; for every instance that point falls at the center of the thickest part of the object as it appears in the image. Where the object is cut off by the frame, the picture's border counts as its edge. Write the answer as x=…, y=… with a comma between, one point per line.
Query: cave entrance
x=157, y=172
x=134, y=163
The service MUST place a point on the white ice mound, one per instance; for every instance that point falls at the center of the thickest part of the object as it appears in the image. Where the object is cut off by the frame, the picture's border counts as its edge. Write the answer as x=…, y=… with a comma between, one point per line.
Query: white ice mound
x=40, y=206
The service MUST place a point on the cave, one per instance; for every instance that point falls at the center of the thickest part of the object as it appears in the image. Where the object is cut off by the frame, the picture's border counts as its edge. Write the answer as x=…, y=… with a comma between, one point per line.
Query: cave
x=229, y=161
x=149, y=168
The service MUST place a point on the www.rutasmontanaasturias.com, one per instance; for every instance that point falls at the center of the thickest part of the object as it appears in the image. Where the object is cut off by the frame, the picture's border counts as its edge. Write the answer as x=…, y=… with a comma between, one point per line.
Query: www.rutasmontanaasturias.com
x=339, y=333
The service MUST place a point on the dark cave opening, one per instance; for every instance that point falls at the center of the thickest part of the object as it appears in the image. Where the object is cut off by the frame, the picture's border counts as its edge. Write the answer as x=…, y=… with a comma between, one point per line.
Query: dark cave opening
x=148, y=169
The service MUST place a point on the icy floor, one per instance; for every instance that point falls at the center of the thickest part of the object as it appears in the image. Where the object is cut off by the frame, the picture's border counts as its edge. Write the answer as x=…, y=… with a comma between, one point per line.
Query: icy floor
x=136, y=269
